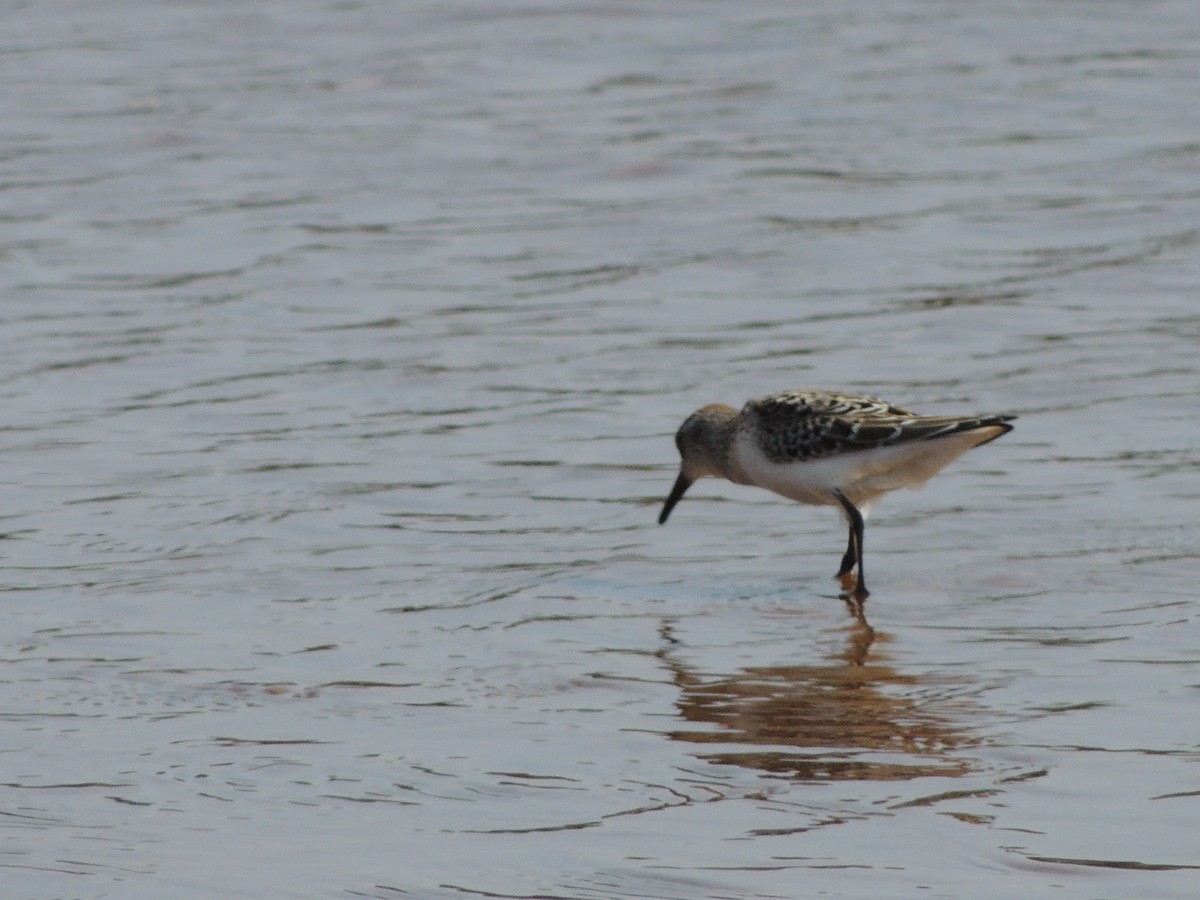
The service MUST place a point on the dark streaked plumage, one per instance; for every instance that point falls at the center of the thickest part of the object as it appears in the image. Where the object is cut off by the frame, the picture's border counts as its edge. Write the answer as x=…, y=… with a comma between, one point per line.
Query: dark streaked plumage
x=794, y=426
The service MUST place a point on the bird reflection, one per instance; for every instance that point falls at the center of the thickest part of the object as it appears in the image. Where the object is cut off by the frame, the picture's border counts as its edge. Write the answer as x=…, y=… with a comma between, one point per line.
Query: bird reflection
x=843, y=720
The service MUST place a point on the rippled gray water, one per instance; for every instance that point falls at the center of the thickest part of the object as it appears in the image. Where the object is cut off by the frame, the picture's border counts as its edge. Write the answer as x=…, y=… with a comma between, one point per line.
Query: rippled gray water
x=342, y=347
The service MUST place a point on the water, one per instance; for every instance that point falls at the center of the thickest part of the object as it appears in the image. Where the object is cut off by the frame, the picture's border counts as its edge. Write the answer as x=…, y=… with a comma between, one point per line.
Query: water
x=342, y=347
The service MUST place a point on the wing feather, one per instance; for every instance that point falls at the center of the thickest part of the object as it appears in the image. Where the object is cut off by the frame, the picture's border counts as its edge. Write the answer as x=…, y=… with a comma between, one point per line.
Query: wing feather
x=794, y=426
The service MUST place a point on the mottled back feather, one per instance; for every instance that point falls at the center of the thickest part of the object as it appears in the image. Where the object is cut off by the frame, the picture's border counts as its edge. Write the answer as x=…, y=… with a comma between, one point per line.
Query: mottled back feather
x=795, y=426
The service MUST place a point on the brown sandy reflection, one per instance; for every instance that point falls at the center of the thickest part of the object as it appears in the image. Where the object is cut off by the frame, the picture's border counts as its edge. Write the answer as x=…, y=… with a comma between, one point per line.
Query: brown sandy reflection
x=835, y=722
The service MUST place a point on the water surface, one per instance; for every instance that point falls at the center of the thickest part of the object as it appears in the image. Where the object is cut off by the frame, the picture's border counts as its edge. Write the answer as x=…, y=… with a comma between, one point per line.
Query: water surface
x=342, y=348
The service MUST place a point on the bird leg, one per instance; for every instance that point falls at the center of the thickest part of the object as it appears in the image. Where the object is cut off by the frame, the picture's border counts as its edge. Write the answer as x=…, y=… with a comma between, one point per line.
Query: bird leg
x=849, y=559
x=856, y=544
x=845, y=573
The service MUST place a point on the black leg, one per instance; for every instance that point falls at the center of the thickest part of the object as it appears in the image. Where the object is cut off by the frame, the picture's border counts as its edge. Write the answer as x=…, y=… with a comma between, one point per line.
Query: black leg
x=849, y=559
x=856, y=540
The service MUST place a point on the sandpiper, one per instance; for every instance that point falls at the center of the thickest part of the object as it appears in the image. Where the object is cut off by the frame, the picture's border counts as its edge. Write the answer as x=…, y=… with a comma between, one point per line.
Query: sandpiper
x=825, y=449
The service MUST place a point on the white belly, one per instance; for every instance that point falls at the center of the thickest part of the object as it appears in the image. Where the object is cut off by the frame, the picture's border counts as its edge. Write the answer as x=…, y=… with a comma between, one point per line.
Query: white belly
x=862, y=475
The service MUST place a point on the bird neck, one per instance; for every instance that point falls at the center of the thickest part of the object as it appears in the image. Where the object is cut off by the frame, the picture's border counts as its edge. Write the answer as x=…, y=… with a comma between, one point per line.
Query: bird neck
x=723, y=434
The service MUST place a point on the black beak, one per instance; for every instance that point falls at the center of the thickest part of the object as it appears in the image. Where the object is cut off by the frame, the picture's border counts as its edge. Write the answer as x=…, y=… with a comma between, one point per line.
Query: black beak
x=682, y=483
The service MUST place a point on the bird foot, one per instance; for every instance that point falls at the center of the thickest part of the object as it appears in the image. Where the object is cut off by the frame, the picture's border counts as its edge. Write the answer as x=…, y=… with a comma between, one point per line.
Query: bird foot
x=854, y=593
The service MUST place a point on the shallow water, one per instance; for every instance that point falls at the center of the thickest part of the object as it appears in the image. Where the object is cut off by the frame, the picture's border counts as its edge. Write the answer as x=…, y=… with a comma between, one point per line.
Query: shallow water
x=343, y=344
